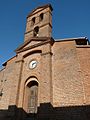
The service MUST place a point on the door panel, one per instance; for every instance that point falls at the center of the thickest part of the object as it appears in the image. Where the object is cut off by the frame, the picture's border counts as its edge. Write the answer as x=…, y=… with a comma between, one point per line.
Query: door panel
x=32, y=99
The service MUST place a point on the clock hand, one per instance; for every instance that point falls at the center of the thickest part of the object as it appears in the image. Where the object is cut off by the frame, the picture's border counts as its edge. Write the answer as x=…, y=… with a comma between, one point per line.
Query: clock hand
x=34, y=63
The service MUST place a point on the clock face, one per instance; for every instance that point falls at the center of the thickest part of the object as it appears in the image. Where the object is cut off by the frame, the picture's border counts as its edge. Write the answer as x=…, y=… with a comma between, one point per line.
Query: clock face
x=32, y=64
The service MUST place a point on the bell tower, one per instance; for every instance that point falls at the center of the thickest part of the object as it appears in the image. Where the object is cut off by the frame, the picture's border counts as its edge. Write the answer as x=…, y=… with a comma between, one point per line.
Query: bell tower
x=39, y=22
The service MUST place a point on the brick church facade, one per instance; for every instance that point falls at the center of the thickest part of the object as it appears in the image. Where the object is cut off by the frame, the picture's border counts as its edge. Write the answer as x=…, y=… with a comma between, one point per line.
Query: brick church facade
x=47, y=79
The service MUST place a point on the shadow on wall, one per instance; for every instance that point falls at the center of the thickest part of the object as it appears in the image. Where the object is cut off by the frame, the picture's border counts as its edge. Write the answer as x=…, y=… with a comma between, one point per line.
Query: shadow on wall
x=47, y=112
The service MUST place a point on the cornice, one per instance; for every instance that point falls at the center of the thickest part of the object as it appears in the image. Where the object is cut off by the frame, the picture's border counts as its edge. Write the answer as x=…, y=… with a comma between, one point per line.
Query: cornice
x=82, y=46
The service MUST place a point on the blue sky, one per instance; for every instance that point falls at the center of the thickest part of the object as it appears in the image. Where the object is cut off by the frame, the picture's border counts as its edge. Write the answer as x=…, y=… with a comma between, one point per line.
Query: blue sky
x=71, y=18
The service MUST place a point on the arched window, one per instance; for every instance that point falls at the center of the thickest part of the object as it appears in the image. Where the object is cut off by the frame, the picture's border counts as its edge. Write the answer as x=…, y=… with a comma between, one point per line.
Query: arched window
x=33, y=21
x=32, y=96
x=36, y=31
x=41, y=17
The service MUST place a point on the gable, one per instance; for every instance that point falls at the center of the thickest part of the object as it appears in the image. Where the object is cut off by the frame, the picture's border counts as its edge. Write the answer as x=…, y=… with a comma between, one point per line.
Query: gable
x=32, y=43
x=39, y=9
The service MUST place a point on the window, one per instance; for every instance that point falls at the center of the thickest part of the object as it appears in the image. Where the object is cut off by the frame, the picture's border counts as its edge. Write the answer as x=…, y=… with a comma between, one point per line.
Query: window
x=81, y=41
x=33, y=21
x=32, y=97
x=41, y=16
x=36, y=31
x=1, y=93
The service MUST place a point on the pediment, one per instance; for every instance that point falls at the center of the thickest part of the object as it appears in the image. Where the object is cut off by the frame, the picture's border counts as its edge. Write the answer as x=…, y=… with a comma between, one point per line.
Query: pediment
x=32, y=43
x=39, y=9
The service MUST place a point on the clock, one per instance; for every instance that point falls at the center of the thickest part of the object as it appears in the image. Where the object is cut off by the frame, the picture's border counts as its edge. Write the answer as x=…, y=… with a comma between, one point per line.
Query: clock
x=32, y=64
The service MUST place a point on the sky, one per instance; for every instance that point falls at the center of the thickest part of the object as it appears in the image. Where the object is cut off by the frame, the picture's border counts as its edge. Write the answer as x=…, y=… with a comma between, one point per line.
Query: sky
x=71, y=19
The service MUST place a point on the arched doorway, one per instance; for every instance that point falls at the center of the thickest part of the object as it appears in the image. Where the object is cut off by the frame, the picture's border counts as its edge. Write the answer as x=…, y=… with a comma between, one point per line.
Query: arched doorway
x=32, y=96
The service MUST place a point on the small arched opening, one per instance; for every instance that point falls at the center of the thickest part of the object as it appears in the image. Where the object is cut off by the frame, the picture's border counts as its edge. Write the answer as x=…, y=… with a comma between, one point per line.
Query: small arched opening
x=33, y=21
x=41, y=17
x=36, y=31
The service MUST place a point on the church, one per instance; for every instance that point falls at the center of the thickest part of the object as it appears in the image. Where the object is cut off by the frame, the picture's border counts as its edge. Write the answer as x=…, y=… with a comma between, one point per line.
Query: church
x=46, y=79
